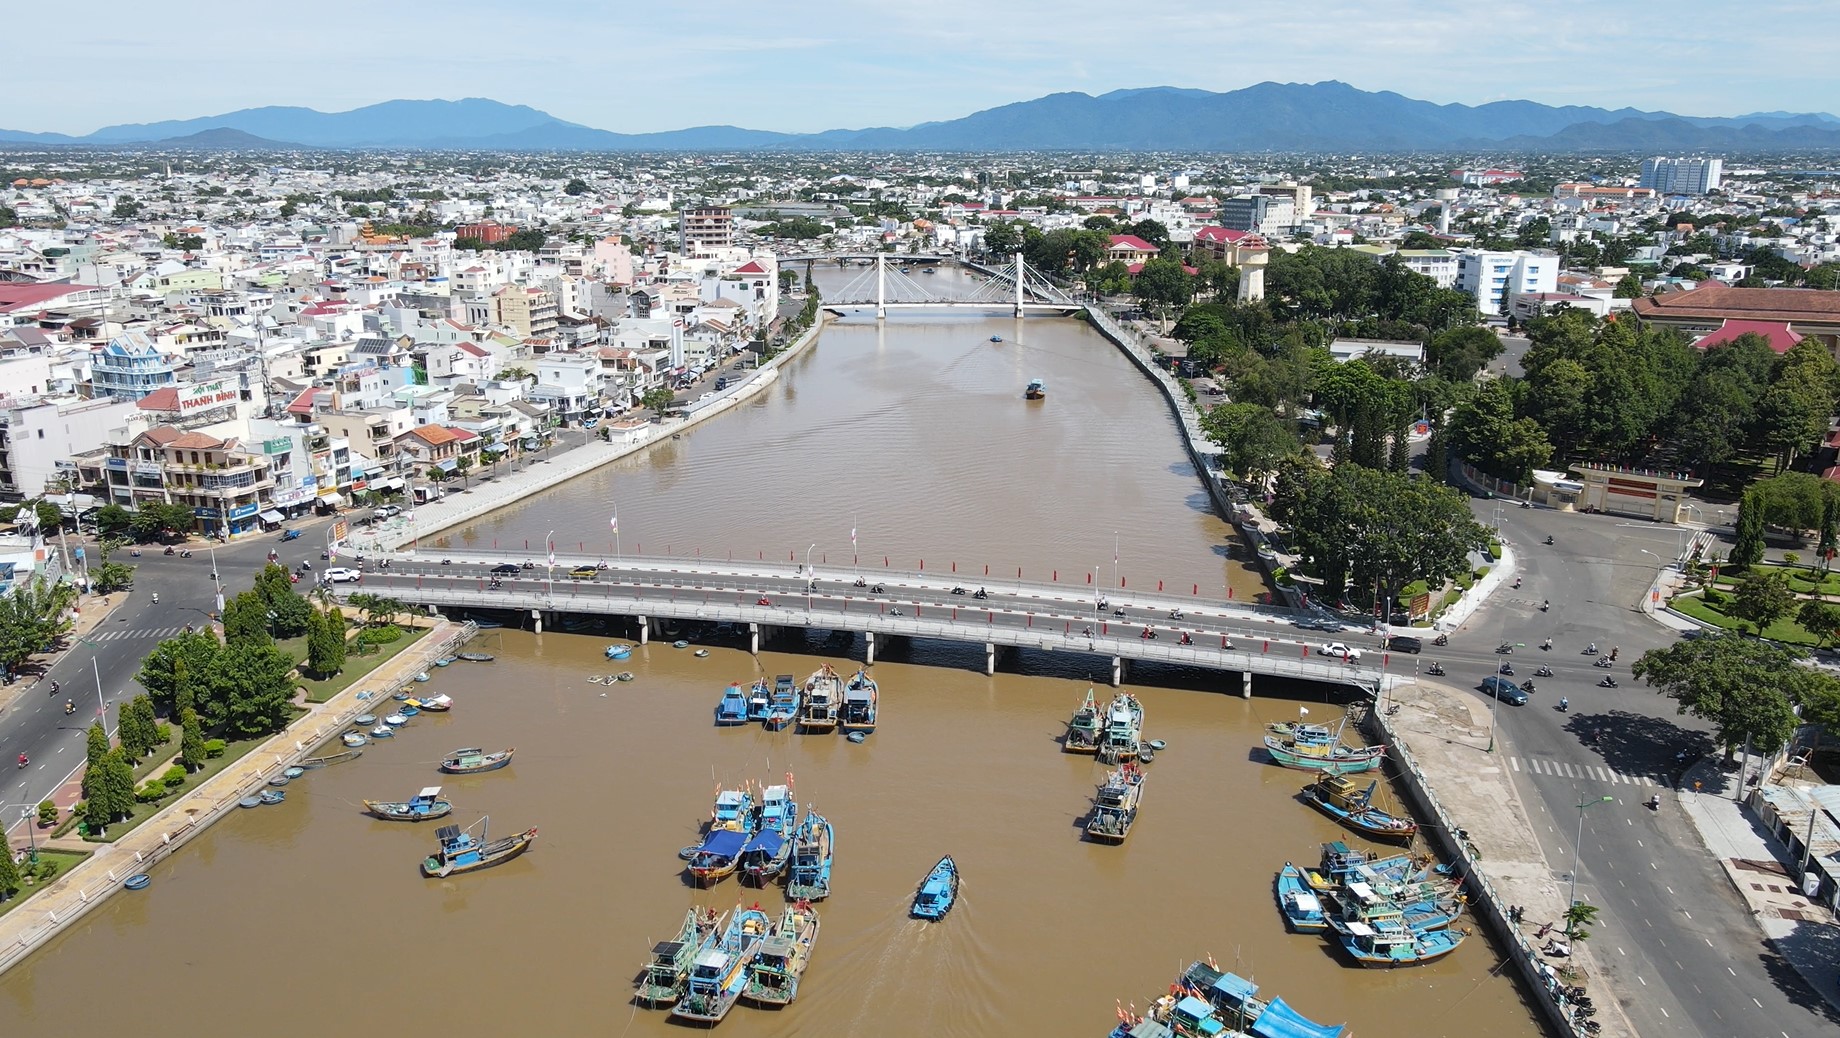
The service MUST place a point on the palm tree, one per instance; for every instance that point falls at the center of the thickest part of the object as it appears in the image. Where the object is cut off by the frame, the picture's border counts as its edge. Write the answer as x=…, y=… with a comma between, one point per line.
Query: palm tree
x=1575, y=919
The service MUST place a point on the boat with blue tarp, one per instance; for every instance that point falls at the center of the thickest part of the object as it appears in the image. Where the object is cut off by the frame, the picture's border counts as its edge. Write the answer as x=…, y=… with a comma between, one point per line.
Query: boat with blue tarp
x=422, y=807
x=1380, y=942
x=861, y=699
x=461, y=851
x=1205, y=1002
x=808, y=876
x=938, y=892
x=666, y=975
x=720, y=972
x=717, y=857
x=765, y=855
x=732, y=709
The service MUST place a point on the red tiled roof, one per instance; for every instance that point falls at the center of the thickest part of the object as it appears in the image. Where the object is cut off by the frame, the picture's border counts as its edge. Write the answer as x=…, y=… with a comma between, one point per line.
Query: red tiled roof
x=166, y=398
x=1719, y=301
x=1221, y=234
x=1776, y=333
x=750, y=267
x=20, y=296
x=1132, y=241
x=197, y=441
x=433, y=435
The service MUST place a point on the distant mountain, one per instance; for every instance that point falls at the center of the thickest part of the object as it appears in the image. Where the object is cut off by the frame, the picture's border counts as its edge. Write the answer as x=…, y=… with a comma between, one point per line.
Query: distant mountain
x=1326, y=116
x=225, y=139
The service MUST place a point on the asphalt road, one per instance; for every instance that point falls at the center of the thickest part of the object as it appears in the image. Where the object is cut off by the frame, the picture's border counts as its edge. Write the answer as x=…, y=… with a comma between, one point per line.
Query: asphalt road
x=1674, y=935
x=111, y=655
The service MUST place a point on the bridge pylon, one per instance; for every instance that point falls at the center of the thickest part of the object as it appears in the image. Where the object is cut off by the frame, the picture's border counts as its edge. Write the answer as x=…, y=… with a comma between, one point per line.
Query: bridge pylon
x=1021, y=276
x=881, y=286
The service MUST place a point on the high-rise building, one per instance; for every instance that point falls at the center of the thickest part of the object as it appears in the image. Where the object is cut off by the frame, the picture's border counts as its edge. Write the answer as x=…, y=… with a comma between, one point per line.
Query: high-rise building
x=705, y=229
x=1682, y=176
x=1495, y=278
x=1268, y=215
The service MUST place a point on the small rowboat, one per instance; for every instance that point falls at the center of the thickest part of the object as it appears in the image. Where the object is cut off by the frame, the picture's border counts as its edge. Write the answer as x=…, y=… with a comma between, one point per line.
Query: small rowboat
x=396, y=720
x=279, y=780
x=680, y=644
x=403, y=697
x=354, y=738
x=294, y=773
x=700, y=653
x=625, y=675
x=476, y=657
x=249, y=802
x=409, y=709
x=473, y=759
x=445, y=660
x=422, y=807
x=364, y=719
x=383, y=731
x=138, y=881
x=857, y=737
x=618, y=652
x=437, y=704
x=423, y=676
x=271, y=796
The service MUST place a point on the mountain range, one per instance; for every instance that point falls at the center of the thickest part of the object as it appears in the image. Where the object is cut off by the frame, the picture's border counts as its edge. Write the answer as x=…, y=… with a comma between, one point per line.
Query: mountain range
x=1326, y=116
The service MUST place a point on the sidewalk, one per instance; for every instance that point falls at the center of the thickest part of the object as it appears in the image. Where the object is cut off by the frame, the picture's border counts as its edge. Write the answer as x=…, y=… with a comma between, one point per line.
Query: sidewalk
x=1439, y=738
x=75, y=892
x=1760, y=869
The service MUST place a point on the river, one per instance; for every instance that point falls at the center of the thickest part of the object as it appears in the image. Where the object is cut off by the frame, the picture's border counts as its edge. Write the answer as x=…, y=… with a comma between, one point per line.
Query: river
x=308, y=918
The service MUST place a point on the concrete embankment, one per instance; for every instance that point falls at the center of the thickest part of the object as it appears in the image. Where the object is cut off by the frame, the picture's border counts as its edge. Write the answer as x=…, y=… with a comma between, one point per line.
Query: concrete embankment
x=74, y=894
x=487, y=496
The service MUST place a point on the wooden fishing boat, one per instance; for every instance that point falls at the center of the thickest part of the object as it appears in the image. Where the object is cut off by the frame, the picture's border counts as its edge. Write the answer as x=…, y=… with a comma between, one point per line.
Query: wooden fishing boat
x=475, y=657
x=1385, y=943
x=808, y=876
x=1317, y=748
x=473, y=760
x=861, y=699
x=1221, y=1005
x=773, y=978
x=717, y=857
x=1115, y=805
x=823, y=697
x=1334, y=795
x=331, y=759
x=666, y=975
x=460, y=851
x=421, y=807
x=1083, y=728
x=1302, y=907
x=1420, y=906
x=1035, y=390
x=732, y=709
x=438, y=704
x=733, y=810
x=721, y=971
x=759, y=699
x=782, y=704
x=938, y=892
x=1121, y=738
x=767, y=851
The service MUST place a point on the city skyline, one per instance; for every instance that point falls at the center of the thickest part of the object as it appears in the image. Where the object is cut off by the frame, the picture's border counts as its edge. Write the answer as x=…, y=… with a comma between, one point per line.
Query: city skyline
x=838, y=66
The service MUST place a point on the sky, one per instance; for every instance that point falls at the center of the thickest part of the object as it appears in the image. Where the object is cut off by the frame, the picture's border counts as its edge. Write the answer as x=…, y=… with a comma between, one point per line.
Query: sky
x=805, y=65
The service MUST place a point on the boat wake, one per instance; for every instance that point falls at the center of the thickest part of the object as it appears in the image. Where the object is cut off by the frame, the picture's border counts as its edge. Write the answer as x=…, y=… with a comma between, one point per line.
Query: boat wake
x=935, y=977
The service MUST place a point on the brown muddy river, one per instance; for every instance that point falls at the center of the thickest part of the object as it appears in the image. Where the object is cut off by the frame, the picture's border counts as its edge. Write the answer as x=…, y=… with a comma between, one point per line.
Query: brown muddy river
x=308, y=918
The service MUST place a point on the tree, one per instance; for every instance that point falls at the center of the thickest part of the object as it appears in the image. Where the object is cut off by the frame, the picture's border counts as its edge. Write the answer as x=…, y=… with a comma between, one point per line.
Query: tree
x=137, y=729
x=173, y=672
x=1484, y=431
x=191, y=741
x=516, y=374
x=107, y=575
x=126, y=208
x=285, y=611
x=1252, y=439
x=658, y=400
x=1628, y=287
x=575, y=186
x=1459, y=353
x=1821, y=619
x=1577, y=916
x=96, y=743
x=325, y=643
x=1763, y=599
x=1002, y=238
x=1830, y=531
x=113, y=520
x=246, y=621
x=1738, y=684
x=9, y=874
x=31, y=618
x=118, y=777
x=255, y=686
x=1164, y=282
x=1747, y=532
x=462, y=465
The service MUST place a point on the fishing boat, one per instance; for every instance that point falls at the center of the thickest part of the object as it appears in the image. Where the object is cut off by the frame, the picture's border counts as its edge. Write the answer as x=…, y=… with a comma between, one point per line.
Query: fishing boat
x=1340, y=862
x=138, y=881
x=1302, y=907
x=823, y=696
x=363, y=719
x=1316, y=748
x=1231, y=1008
x=717, y=857
x=733, y=707
x=472, y=760
x=733, y=810
x=354, y=738
x=1120, y=740
x=331, y=759
x=475, y=657
x=383, y=731
x=421, y=807
x=765, y=855
x=808, y=876
x=861, y=698
x=1036, y=390
x=996, y=338
x=461, y=851
x=293, y=773
x=398, y=719
x=666, y=975
x=1115, y=805
x=272, y=796
x=618, y=652
x=938, y=891
x=773, y=978
x=783, y=706
x=1380, y=943
x=1419, y=906
x=1083, y=728
x=438, y=704
x=720, y=972
x=759, y=698
x=1334, y=795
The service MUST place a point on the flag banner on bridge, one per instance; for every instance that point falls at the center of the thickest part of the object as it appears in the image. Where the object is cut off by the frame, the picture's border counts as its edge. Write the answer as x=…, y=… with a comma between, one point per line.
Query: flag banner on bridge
x=615, y=522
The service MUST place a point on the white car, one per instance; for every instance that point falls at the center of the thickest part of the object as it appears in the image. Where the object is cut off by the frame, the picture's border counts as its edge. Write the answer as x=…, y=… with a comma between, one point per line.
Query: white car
x=385, y=511
x=1340, y=651
x=341, y=575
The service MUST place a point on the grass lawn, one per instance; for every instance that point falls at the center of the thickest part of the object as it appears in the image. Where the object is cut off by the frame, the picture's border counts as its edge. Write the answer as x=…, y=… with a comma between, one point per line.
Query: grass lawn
x=65, y=861
x=1785, y=630
x=232, y=753
x=356, y=667
x=161, y=754
x=1802, y=580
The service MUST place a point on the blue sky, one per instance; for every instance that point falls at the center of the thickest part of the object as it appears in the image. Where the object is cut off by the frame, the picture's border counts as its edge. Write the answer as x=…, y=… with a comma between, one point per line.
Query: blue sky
x=803, y=65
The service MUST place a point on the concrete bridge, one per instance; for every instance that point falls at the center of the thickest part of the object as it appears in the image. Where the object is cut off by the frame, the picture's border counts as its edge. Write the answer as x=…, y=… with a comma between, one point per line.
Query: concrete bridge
x=1013, y=287
x=762, y=597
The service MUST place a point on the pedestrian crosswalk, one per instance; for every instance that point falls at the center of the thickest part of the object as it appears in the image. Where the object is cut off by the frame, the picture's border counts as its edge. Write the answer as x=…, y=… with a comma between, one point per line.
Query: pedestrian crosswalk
x=1589, y=772
x=138, y=632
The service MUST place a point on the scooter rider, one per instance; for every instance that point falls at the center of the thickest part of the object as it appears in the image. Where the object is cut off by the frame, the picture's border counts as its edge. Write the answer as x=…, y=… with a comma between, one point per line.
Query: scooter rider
x=1564, y=704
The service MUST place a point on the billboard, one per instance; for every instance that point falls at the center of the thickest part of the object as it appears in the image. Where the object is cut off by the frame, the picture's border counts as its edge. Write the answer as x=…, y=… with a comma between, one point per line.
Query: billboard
x=208, y=396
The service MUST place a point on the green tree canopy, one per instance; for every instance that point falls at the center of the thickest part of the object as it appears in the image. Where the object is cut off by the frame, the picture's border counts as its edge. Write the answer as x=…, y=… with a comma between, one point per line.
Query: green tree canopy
x=1746, y=688
x=1252, y=439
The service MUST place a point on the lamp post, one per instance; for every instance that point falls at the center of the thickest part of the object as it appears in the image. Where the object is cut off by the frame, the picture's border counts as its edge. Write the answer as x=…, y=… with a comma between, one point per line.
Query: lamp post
x=549, y=544
x=810, y=579
x=1571, y=897
x=25, y=815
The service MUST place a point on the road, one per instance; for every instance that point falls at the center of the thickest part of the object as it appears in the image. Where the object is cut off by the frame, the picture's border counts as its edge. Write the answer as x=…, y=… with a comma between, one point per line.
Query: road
x=1678, y=942
x=97, y=672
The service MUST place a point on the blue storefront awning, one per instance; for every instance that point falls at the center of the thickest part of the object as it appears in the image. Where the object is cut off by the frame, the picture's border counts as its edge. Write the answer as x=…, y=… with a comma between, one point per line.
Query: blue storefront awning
x=445, y=466
x=495, y=448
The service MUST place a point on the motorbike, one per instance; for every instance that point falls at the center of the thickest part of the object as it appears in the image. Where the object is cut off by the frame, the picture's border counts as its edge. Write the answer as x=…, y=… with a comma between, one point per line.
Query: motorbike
x=1526, y=504
x=1118, y=611
x=1607, y=682
x=134, y=553
x=1545, y=605
x=1508, y=669
x=1601, y=661
x=1505, y=648
x=960, y=591
x=156, y=598
x=54, y=688
x=70, y=707
x=878, y=590
x=170, y=551
x=1547, y=644
x=602, y=564
x=1435, y=670
x=1186, y=640
x=1148, y=635
x=1442, y=639
x=527, y=564
x=495, y=585
x=1527, y=686
x=1517, y=583
x=1543, y=672
x=1564, y=704
x=1175, y=614
x=860, y=582
x=326, y=554
x=186, y=554
x=1549, y=539
x=1590, y=650
x=447, y=562
x=23, y=761
x=1654, y=802
x=981, y=594
x=764, y=600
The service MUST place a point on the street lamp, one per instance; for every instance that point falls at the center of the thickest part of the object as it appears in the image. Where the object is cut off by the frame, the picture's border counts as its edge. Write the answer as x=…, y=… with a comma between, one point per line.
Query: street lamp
x=25, y=815
x=810, y=579
x=549, y=543
x=1571, y=897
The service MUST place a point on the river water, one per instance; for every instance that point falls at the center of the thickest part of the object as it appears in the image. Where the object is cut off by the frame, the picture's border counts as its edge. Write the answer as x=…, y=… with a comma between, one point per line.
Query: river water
x=308, y=918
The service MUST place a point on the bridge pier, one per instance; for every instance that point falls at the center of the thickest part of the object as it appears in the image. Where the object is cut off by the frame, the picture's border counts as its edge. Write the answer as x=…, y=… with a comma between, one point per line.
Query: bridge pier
x=645, y=630
x=990, y=657
x=536, y=620
x=869, y=648
x=1117, y=671
x=1245, y=684
x=754, y=638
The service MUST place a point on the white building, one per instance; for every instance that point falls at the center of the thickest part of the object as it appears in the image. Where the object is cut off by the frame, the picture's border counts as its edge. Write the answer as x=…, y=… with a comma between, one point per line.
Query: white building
x=1682, y=176
x=36, y=433
x=1440, y=265
x=1494, y=278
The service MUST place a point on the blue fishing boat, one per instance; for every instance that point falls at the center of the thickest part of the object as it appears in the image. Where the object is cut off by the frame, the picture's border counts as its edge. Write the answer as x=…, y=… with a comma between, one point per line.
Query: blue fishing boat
x=733, y=708
x=861, y=698
x=666, y=975
x=721, y=972
x=138, y=881
x=1231, y=1008
x=733, y=810
x=1315, y=748
x=461, y=851
x=618, y=652
x=1334, y=795
x=938, y=891
x=383, y=731
x=783, y=707
x=717, y=857
x=424, y=806
x=765, y=855
x=272, y=796
x=1115, y=805
x=808, y=876
x=1381, y=943
x=1419, y=906
x=1339, y=862
x=759, y=698
x=773, y=978
x=1036, y=390
x=1302, y=907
